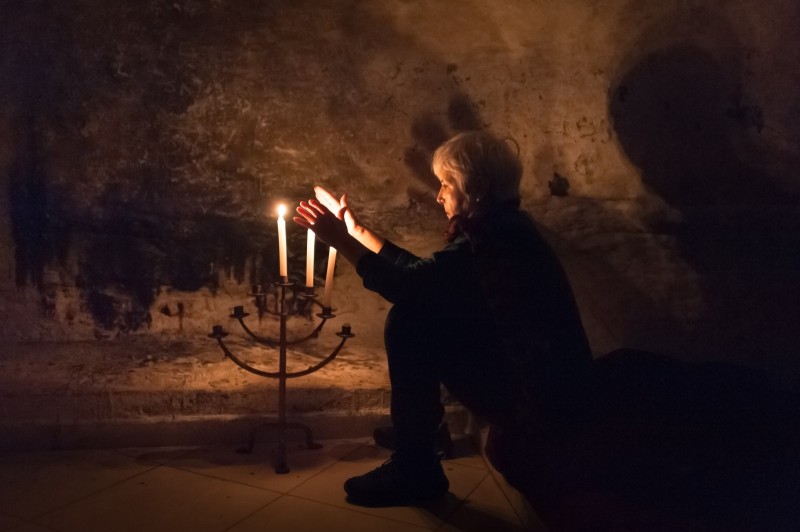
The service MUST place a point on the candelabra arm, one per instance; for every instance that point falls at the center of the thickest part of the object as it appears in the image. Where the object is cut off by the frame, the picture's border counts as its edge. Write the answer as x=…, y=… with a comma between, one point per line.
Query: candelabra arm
x=264, y=340
x=324, y=362
x=245, y=366
x=312, y=334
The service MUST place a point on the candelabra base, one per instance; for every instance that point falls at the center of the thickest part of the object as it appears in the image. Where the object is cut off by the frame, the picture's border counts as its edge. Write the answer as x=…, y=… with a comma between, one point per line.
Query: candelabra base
x=280, y=463
x=282, y=374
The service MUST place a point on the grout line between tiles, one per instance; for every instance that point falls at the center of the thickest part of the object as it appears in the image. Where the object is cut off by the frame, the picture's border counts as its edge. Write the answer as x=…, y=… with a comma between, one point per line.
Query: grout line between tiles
x=520, y=518
x=346, y=455
x=461, y=502
x=91, y=494
x=248, y=516
x=357, y=509
x=208, y=475
x=20, y=522
x=443, y=520
x=186, y=469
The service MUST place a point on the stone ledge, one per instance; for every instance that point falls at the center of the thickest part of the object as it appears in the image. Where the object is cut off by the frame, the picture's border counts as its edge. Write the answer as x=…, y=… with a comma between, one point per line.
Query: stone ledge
x=160, y=431
x=111, y=406
x=146, y=392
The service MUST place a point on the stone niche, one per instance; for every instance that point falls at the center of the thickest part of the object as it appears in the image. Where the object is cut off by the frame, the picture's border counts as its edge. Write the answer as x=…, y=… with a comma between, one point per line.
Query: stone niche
x=146, y=144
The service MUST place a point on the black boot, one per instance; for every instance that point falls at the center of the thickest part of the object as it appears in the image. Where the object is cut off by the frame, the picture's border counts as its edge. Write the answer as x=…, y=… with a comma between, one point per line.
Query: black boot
x=398, y=482
x=386, y=437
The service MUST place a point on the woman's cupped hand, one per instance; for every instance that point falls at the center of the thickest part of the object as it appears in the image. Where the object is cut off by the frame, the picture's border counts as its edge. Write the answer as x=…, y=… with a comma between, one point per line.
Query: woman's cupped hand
x=327, y=226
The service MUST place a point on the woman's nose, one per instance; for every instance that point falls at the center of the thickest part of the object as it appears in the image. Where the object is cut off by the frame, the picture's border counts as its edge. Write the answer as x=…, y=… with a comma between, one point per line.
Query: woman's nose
x=439, y=198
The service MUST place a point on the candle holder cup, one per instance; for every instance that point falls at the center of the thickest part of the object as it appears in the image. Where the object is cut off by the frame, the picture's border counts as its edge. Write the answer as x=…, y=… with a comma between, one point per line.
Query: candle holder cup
x=306, y=299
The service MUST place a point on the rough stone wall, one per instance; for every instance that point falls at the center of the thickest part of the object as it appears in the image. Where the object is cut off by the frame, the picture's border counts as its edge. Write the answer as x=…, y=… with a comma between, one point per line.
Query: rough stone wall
x=144, y=145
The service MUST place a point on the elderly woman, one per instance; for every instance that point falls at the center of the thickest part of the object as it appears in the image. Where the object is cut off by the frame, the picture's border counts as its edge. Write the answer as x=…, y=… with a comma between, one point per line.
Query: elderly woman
x=491, y=316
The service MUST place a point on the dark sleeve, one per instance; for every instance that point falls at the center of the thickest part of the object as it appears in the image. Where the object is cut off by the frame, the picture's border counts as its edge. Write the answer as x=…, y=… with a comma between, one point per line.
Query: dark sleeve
x=423, y=280
x=398, y=256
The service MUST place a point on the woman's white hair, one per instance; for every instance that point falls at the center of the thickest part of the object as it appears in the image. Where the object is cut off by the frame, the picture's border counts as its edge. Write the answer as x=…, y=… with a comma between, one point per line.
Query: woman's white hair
x=484, y=168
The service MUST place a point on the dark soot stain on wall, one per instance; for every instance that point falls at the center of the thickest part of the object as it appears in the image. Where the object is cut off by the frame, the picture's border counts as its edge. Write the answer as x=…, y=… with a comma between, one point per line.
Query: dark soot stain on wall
x=130, y=251
x=131, y=256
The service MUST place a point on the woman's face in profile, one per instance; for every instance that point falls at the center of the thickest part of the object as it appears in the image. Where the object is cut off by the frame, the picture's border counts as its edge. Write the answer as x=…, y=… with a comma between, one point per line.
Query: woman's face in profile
x=451, y=198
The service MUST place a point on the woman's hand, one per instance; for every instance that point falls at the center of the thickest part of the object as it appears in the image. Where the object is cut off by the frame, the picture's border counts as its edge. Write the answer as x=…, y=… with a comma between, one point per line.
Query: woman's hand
x=366, y=237
x=330, y=229
x=340, y=208
x=317, y=217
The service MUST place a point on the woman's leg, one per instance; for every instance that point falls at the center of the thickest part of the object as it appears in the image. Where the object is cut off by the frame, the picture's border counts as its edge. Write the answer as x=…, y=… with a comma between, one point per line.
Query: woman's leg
x=414, y=352
x=414, y=474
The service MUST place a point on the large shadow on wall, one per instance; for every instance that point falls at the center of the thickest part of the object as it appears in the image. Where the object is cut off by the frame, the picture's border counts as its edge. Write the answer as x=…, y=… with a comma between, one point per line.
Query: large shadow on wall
x=428, y=133
x=678, y=114
x=435, y=86
x=682, y=117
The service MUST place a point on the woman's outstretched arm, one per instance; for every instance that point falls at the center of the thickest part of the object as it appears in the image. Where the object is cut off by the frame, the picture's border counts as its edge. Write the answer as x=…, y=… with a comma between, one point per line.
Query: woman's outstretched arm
x=366, y=236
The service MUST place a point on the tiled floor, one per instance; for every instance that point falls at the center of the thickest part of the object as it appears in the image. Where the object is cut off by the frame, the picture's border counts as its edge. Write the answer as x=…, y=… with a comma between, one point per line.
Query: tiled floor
x=215, y=489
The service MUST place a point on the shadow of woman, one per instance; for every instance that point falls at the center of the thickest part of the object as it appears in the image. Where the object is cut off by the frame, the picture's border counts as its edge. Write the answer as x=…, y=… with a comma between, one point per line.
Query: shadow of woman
x=681, y=116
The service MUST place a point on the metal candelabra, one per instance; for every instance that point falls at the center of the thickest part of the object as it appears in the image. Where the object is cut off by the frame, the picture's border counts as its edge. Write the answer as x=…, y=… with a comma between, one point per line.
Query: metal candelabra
x=308, y=297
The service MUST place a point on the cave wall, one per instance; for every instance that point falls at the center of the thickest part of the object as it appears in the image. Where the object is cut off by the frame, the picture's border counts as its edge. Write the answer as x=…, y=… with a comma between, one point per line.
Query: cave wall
x=144, y=146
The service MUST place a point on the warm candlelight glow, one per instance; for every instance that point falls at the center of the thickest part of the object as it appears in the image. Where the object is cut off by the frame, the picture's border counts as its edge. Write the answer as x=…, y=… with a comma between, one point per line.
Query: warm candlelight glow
x=326, y=296
x=282, y=242
x=310, y=259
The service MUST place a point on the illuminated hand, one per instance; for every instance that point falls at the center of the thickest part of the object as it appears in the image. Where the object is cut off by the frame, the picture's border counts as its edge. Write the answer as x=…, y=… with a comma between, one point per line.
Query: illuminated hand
x=317, y=217
x=338, y=207
x=365, y=236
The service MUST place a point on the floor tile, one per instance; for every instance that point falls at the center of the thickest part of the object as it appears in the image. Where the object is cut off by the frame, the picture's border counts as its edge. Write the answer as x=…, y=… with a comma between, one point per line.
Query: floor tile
x=32, y=484
x=7, y=522
x=216, y=489
x=29, y=527
x=163, y=499
x=486, y=508
x=522, y=508
x=299, y=515
x=157, y=455
x=326, y=487
x=467, y=453
x=256, y=468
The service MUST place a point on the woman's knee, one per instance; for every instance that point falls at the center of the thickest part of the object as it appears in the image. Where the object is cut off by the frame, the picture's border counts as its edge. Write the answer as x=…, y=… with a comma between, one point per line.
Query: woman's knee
x=407, y=325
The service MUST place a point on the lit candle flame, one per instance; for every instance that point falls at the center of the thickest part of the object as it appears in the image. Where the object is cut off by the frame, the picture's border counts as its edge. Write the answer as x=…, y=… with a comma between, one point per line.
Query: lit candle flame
x=281, y=210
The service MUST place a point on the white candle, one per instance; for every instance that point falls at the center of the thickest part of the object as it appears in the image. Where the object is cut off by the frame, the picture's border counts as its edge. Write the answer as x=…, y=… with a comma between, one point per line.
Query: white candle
x=310, y=259
x=282, y=241
x=326, y=296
